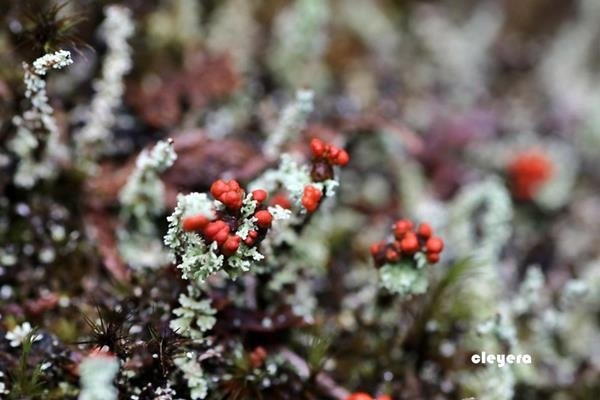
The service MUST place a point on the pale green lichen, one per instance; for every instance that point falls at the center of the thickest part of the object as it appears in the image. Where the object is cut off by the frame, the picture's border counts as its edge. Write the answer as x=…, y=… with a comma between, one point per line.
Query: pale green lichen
x=482, y=240
x=177, y=25
x=291, y=122
x=97, y=373
x=501, y=327
x=477, y=229
x=142, y=200
x=93, y=138
x=491, y=382
x=3, y=389
x=404, y=278
x=299, y=43
x=572, y=294
x=530, y=292
x=37, y=131
x=194, y=316
x=234, y=30
x=193, y=375
x=556, y=192
x=461, y=59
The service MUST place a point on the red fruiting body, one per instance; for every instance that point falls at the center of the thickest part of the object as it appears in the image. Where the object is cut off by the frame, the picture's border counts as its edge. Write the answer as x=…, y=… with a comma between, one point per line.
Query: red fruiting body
x=434, y=245
x=217, y=231
x=228, y=193
x=222, y=230
x=424, y=231
x=252, y=235
x=259, y=195
x=229, y=197
x=376, y=248
x=392, y=255
x=218, y=188
x=343, y=158
x=281, y=201
x=333, y=153
x=329, y=153
x=318, y=147
x=221, y=236
x=383, y=397
x=406, y=243
x=359, y=396
x=527, y=172
x=264, y=219
x=401, y=227
x=214, y=227
x=194, y=223
x=311, y=197
x=409, y=244
x=433, y=257
x=231, y=245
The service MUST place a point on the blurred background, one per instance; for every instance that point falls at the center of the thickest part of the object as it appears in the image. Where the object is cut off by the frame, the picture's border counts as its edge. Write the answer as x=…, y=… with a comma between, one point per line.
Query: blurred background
x=480, y=117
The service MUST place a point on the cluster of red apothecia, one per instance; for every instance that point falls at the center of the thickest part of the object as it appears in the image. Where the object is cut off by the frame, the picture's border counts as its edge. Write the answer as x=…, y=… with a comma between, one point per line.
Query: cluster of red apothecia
x=311, y=198
x=365, y=396
x=221, y=230
x=407, y=242
x=527, y=172
x=325, y=157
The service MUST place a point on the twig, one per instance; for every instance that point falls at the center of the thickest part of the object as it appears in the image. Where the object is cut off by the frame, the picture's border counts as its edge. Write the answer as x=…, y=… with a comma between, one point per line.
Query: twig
x=324, y=381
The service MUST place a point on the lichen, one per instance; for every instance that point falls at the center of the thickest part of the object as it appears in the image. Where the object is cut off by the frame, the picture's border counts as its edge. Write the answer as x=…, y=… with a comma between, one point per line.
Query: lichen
x=194, y=316
x=95, y=136
x=142, y=201
x=37, y=132
x=97, y=373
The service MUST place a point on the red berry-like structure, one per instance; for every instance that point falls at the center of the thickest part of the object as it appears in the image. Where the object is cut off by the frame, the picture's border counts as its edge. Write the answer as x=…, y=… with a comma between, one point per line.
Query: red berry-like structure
x=231, y=245
x=407, y=242
x=264, y=218
x=325, y=157
x=359, y=396
x=259, y=195
x=329, y=153
x=229, y=193
x=527, y=172
x=194, y=223
x=251, y=238
x=311, y=198
x=281, y=200
x=365, y=396
x=223, y=229
x=425, y=231
x=434, y=245
x=402, y=226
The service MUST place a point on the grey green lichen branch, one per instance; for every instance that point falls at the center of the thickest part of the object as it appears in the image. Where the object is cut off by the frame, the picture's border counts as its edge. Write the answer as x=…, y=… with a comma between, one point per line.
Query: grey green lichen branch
x=142, y=201
x=37, y=140
x=92, y=139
